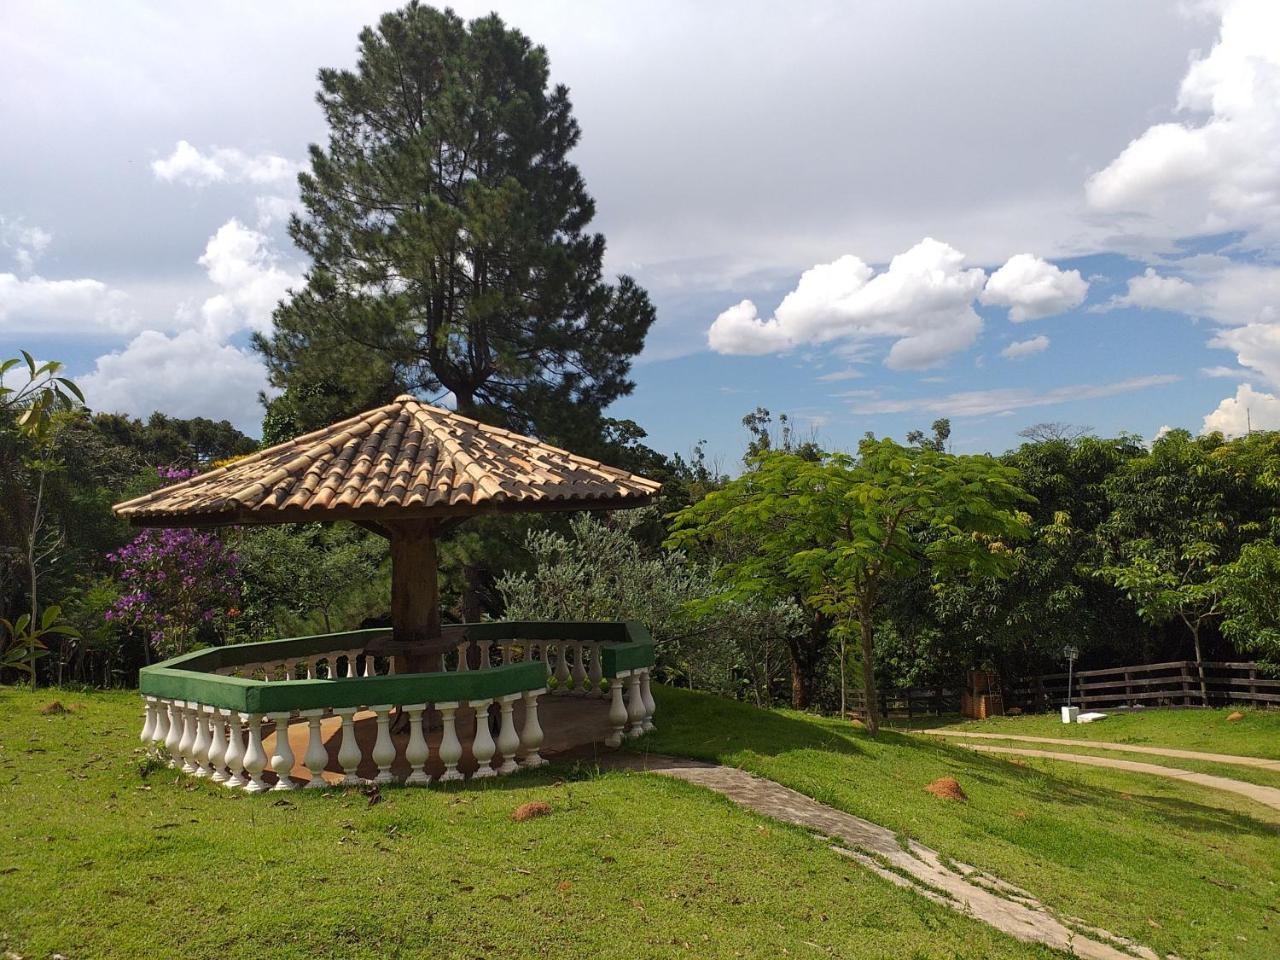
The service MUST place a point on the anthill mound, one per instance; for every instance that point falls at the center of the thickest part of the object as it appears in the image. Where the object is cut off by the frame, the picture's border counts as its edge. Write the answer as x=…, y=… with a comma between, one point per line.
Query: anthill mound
x=948, y=788
x=527, y=811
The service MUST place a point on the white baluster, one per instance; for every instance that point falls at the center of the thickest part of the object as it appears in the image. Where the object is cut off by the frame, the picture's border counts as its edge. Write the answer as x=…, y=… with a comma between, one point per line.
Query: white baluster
x=485, y=646
x=188, y=737
x=531, y=732
x=508, y=739
x=450, y=746
x=596, y=673
x=384, y=749
x=463, y=663
x=646, y=695
x=290, y=669
x=282, y=759
x=635, y=706
x=316, y=756
x=160, y=732
x=368, y=666
x=148, y=722
x=349, y=751
x=311, y=669
x=234, y=756
x=579, y=669
x=562, y=667
x=173, y=739
x=255, y=758
x=200, y=746
x=351, y=664
x=617, y=711
x=417, y=752
x=483, y=747
x=217, y=745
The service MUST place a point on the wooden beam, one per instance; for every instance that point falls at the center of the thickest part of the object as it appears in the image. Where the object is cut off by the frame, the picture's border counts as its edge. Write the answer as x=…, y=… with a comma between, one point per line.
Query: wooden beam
x=415, y=591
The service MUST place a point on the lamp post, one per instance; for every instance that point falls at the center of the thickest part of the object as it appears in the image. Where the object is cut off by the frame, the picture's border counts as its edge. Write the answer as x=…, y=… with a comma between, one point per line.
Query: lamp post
x=1069, y=713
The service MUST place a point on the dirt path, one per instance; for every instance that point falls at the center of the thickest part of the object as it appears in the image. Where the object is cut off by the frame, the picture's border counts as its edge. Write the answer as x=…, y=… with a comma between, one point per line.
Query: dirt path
x=959, y=886
x=1268, y=796
x=1228, y=758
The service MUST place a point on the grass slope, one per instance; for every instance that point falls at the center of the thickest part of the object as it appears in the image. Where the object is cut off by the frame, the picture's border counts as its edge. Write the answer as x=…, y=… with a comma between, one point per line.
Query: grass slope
x=1152, y=859
x=96, y=861
x=1256, y=734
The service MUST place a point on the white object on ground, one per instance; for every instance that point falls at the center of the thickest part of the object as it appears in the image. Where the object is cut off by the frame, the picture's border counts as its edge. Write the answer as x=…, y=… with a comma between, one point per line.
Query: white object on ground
x=1090, y=717
x=1069, y=714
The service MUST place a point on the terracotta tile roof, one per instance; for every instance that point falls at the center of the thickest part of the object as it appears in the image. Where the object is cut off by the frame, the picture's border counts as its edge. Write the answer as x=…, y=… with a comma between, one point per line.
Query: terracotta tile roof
x=402, y=461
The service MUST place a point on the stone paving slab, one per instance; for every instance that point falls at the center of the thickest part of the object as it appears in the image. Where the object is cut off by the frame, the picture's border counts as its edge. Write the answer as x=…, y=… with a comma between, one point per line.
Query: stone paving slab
x=959, y=886
x=1232, y=759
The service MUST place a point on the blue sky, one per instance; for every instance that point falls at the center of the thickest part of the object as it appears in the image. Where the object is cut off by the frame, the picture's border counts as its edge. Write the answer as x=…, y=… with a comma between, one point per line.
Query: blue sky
x=866, y=216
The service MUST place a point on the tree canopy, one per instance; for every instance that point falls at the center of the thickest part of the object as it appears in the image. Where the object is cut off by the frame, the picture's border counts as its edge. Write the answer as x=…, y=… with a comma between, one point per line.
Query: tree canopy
x=447, y=230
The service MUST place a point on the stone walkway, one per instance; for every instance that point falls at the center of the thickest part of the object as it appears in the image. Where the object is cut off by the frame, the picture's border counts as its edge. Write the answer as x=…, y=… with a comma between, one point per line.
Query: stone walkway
x=1268, y=796
x=916, y=867
x=1227, y=758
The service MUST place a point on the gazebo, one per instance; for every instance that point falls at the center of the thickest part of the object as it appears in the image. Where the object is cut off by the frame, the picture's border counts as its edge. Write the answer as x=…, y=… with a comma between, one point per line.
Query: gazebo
x=420, y=702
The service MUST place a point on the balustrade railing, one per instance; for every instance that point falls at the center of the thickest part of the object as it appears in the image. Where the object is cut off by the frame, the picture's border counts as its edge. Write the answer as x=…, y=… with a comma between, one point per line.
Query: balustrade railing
x=210, y=713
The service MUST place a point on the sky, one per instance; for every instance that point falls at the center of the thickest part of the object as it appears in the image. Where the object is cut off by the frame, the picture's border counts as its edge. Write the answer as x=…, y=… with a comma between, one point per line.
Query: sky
x=864, y=215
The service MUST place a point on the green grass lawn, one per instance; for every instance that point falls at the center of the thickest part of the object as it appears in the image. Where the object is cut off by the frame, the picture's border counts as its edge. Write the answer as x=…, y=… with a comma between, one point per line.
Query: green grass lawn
x=97, y=861
x=1256, y=735
x=1156, y=860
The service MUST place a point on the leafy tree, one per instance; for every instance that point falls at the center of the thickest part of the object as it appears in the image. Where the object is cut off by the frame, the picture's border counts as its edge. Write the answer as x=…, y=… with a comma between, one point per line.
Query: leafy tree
x=30, y=415
x=1020, y=624
x=936, y=439
x=1249, y=589
x=1176, y=515
x=843, y=532
x=603, y=569
x=305, y=569
x=447, y=232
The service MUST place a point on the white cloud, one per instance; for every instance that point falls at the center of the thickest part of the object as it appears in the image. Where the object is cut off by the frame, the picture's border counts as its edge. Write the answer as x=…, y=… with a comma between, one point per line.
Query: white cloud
x=1156, y=292
x=186, y=164
x=273, y=209
x=1248, y=409
x=1033, y=288
x=242, y=263
x=25, y=241
x=1218, y=173
x=837, y=375
x=189, y=374
x=34, y=305
x=923, y=301
x=1021, y=349
x=972, y=403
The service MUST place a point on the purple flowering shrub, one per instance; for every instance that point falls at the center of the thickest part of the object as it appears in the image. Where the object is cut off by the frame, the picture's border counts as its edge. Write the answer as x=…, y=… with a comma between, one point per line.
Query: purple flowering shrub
x=177, y=587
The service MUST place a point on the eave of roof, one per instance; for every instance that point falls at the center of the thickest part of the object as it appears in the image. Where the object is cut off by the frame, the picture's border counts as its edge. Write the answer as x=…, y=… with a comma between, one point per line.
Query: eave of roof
x=406, y=460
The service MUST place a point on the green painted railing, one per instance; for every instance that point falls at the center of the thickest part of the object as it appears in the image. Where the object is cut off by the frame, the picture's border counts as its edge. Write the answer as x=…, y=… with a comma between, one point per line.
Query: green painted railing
x=625, y=646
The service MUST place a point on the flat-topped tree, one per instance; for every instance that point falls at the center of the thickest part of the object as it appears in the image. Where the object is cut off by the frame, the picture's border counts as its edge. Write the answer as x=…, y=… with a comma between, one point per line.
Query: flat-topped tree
x=406, y=471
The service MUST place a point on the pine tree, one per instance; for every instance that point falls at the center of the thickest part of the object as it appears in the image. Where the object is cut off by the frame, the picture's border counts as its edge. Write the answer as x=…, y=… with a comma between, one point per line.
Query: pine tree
x=447, y=232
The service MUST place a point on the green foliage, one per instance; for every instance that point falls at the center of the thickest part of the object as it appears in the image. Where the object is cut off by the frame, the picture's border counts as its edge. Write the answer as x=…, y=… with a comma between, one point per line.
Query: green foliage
x=1249, y=590
x=602, y=569
x=24, y=641
x=446, y=227
x=841, y=532
x=297, y=575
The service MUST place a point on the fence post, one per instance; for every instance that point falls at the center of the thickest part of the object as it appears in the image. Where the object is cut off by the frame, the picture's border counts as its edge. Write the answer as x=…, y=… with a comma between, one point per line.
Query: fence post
x=1128, y=688
x=1186, y=684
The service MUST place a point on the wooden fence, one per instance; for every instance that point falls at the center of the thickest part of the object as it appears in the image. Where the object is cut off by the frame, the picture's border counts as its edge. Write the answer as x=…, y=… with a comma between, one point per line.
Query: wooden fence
x=909, y=702
x=1154, y=684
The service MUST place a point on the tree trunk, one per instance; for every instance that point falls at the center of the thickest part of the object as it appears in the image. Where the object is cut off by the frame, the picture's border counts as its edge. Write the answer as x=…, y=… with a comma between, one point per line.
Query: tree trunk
x=806, y=651
x=33, y=575
x=1204, y=690
x=867, y=625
